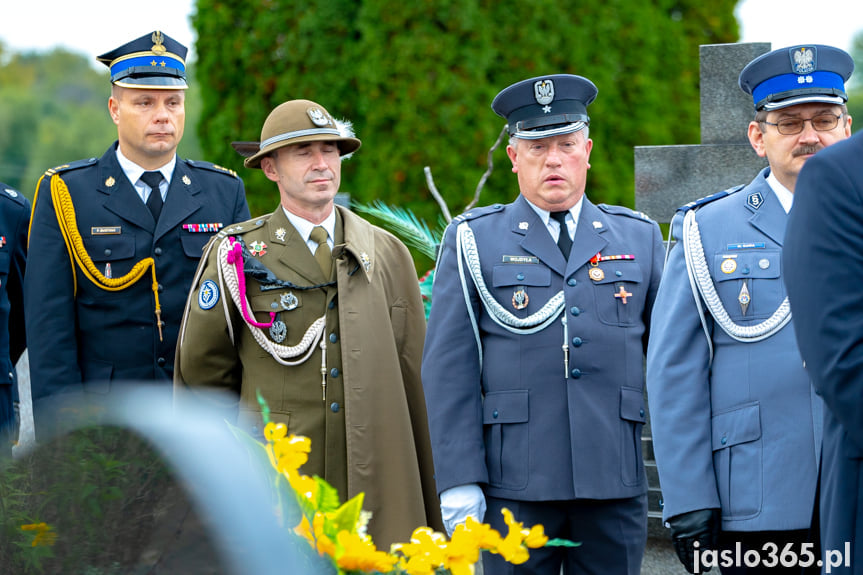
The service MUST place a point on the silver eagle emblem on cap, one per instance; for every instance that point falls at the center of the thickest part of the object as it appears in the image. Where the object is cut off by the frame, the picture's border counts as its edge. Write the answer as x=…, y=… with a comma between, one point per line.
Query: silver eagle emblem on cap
x=543, y=91
x=803, y=60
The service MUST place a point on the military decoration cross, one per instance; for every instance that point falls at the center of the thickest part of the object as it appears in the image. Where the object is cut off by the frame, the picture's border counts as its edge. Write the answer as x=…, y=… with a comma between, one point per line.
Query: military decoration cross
x=622, y=294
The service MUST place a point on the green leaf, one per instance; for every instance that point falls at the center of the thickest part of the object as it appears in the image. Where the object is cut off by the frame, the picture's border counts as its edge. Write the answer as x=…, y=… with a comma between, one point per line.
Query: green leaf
x=403, y=223
x=265, y=409
x=345, y=518
x=562, y=543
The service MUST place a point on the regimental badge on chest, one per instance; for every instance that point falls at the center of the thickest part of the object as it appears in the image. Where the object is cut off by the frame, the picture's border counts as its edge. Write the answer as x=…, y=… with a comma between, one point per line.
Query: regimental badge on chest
x=520, y=298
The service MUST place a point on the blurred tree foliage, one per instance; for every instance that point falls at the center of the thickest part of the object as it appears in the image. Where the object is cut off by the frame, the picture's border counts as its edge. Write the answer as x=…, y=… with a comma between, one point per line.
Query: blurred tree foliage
x=417, y=80
x=54, y=109
x=855, y=84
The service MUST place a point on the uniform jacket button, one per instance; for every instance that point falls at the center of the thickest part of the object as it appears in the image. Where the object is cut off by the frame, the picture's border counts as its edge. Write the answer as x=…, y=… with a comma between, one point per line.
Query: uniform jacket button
x=334, y=407
x=574, y=310
x=576, y=341
x=157, y=251
x=108, y=251
x=575, y=373
x=333, y=338
x=161, y=361
x=334, y=372
x=571, y=282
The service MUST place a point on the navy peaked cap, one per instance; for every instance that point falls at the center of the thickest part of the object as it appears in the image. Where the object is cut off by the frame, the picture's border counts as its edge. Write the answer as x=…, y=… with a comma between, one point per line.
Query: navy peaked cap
x=545, y=106
x=797, y=75
x=153, y=61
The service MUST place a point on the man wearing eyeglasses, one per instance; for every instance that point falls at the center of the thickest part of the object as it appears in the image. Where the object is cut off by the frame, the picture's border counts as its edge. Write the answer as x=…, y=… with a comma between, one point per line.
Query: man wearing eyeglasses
x=736, y=424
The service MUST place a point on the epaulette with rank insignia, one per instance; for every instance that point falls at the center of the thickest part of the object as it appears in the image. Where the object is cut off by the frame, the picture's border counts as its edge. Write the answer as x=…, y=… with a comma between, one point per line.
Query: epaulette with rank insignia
x=12, y=194
x=67, y=167
x=711, y=198
x=477, y=213
x=624, y=211
x=212, y=167
x=241, y=228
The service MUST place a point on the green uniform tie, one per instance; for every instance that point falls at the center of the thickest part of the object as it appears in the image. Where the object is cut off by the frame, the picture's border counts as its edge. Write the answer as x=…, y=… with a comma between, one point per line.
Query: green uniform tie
x=322, y=253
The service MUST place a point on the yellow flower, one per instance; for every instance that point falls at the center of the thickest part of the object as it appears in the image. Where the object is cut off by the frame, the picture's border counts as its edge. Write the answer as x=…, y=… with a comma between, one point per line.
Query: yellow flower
x=275, y=431
x=511, y=547
x=315, y=535
x=536, y=537
x=292, y=453
x=44, y=536
x=304, y=485
x=359, y=554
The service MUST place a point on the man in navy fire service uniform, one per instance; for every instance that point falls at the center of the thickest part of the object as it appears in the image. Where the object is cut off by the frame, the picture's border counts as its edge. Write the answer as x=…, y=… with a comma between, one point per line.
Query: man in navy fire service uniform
x=736, y=424
x=116, y=240
x=533, y=364
x=14, y=217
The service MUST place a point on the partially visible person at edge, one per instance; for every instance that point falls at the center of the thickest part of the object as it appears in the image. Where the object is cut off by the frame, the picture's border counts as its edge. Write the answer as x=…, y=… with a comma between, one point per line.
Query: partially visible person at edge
x=823, y=266
x=14, y=218
x=533, y=365
x=105, y=290
x=321, y=313
x=736, y=424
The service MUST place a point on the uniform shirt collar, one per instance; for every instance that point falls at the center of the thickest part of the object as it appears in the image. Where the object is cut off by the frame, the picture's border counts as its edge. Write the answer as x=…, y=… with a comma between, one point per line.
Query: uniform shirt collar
x=133, y=171
x=782, y=193
x=552, y=225
x=304, y=228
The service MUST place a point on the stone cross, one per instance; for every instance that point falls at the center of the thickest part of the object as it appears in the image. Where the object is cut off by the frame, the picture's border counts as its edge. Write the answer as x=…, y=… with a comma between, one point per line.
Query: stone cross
x=666, y=177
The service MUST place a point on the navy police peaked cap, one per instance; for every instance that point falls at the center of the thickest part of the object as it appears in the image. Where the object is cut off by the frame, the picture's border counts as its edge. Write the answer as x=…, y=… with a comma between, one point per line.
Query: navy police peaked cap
x=153, y=61
x=545, y=106
x=797, y=75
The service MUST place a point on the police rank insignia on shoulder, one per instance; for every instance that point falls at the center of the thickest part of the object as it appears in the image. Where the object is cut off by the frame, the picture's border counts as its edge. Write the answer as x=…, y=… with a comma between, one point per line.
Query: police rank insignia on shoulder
x=208, y=295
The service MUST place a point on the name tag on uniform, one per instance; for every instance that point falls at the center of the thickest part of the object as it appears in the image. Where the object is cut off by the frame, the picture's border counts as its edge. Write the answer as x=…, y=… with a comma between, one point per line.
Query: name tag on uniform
x=746, y=246
x=520, y=260
x=105, y=231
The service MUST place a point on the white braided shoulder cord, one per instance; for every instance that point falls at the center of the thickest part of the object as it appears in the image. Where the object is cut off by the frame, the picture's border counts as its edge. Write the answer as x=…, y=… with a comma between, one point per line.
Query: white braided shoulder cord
x=696, y=265
x=535, y=322
x=306, y=346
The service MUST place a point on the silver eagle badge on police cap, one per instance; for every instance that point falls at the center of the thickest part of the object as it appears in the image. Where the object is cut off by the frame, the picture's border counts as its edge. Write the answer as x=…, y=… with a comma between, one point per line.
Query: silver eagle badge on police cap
x=803, y=60
x=543, y=91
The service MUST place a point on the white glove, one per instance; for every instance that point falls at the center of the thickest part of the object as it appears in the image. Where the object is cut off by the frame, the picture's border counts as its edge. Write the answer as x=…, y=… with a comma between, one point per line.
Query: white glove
x=457, y=503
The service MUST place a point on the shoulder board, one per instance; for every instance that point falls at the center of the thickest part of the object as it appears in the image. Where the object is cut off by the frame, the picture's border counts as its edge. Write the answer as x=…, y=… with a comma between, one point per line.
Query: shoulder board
x=73, y=166
x=11, y=194
x=211, y=167
x=477, y=213
x=241, y=228
x=712, y=197
x=624, y=211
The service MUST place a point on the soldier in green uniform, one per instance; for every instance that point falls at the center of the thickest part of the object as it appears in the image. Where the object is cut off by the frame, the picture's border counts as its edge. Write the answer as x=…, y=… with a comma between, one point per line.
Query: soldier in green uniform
x=321, y=313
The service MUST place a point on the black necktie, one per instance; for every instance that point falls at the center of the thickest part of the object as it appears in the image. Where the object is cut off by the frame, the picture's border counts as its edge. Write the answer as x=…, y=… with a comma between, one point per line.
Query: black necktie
x=563, y=240
x=154, y=202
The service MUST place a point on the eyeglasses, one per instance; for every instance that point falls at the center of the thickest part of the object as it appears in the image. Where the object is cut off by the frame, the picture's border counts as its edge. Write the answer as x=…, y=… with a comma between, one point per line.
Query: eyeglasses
x=791, y=126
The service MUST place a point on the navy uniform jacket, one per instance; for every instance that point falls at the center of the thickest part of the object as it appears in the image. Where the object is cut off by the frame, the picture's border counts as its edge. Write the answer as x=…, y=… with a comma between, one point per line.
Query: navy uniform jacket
x=100, y=336
x=824, y=271
x=743, y=433
x=14, y=217
x=514, y=422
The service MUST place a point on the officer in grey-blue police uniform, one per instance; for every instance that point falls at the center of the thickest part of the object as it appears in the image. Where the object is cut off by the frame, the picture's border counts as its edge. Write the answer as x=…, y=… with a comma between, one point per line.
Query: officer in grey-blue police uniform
x=533, y=362
x=736, y=424
x=105, y=291
x=14, y=217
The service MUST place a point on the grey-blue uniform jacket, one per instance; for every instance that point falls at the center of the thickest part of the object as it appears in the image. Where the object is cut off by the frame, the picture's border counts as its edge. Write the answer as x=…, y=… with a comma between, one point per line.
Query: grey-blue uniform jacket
x=100, y=336
x=504, y=411
x=14, y=217
x=741, y=433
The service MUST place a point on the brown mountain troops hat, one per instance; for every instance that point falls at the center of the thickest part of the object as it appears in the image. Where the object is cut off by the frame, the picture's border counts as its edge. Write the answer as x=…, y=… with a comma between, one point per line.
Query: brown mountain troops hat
x=295, y=122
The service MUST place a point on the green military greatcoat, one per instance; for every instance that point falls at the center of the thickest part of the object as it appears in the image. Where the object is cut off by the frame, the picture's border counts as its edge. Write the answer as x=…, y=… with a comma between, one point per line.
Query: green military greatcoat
x=368, y=422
